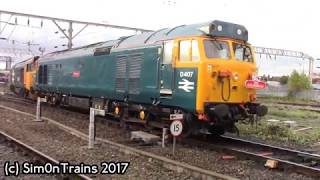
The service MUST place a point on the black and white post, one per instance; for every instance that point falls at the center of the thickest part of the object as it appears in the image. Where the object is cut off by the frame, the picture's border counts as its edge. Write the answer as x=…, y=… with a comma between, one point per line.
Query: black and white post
x=38, y=110
x=176, y=128
x=164, y=134
x=92, y=133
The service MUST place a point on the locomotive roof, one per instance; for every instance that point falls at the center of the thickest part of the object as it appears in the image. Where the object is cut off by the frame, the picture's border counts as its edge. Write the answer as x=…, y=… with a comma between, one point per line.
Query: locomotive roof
x=203, y=29
x=212, y=28
x=24, y=62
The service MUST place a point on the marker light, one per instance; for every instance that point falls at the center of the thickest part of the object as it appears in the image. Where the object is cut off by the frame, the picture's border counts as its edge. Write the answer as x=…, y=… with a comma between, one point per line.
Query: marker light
x=255, y=84
x=235, y=76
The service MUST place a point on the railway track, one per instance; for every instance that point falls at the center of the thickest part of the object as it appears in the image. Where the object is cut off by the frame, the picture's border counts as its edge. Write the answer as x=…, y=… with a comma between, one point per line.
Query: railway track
x=14, y=98
x=292, y=104
x=39, y=156
x=287, y=159
x=300, y=104
x=165, y=162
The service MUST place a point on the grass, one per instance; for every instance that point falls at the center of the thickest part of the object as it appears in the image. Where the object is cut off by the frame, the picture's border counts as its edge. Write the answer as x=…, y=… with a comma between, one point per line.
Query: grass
x=281, y=133
x=293, y=113
x=286, y=99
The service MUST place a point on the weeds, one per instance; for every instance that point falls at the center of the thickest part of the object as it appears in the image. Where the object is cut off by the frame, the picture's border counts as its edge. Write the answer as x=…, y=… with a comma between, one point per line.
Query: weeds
x=287, y=99
x=280, y=133
x=295, y=114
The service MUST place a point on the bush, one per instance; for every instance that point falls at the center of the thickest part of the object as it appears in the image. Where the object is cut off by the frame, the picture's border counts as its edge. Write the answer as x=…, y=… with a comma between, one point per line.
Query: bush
x=284, y=80
x=298, y=82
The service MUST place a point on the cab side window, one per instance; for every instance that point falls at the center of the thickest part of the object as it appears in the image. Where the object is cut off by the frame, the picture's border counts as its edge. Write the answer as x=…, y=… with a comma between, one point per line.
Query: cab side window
x=188, y=50
x=184, y=51
x=167, y=52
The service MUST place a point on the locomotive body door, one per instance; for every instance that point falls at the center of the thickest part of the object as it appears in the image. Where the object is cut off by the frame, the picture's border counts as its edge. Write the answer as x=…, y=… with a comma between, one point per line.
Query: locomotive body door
x=166, y=70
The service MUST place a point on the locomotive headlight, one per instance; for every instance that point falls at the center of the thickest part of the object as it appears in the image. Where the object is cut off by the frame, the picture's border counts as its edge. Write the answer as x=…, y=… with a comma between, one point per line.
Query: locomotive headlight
x=235, y=76
x=239, y=32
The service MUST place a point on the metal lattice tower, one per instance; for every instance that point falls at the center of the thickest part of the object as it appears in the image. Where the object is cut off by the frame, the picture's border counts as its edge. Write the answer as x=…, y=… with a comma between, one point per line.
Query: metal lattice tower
x=7, y=60
x=287, y=53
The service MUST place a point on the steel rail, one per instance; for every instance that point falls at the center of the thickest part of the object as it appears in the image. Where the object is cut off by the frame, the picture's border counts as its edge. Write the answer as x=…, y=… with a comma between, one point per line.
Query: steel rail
x=18, y=100
x=284, y=156
x=230, y=145
x=165, y=162
x=268, y=146
x=299, y=104
x=39, y=155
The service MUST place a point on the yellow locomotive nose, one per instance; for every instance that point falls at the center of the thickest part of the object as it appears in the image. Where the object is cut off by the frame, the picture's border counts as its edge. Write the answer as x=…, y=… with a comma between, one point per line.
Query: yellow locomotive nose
x=226, y=66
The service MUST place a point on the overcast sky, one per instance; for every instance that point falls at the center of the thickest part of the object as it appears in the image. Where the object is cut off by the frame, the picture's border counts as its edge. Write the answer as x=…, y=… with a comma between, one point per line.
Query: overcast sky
x=286, y=24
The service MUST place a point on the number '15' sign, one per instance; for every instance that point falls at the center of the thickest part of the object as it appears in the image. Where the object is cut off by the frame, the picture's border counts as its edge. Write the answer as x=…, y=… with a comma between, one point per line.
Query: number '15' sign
x=176, y=128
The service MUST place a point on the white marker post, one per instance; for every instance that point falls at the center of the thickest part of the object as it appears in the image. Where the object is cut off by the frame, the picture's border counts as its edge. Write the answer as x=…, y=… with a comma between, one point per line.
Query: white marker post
x=92, y=133
x=38, y=110
x=164, y=134
x=176, y=128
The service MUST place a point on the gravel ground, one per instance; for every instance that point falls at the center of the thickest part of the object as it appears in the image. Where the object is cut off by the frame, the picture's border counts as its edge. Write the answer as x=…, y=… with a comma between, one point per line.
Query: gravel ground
x=244, y=169
x=3, y=88
x=65, y=147
x=287, y=144
x=8, y=154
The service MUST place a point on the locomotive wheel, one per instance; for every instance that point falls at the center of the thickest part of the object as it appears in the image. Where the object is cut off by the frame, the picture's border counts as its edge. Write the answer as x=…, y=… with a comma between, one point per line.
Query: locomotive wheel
x=21, y=92
x=123, y=116
x=189, y=125
x=55, y=100
x=149, y=117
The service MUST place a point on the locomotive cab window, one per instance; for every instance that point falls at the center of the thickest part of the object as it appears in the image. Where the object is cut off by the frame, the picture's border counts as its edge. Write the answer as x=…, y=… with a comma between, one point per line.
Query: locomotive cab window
x=195, y=51
x=242, y=52
x=188, y=50
x=29, y=67
x=216, y=49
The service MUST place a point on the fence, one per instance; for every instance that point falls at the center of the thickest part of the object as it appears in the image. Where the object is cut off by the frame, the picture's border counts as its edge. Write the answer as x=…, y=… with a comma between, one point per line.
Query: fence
x=283, y=92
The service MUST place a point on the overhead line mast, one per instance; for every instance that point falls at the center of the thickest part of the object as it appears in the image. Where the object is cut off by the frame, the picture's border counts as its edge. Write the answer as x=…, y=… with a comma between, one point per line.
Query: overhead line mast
x=70, y=35
x=286, y=53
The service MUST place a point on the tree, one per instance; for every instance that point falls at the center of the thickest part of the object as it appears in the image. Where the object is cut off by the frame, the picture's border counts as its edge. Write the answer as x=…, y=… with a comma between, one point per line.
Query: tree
x=284, y=80
x=298, y=82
